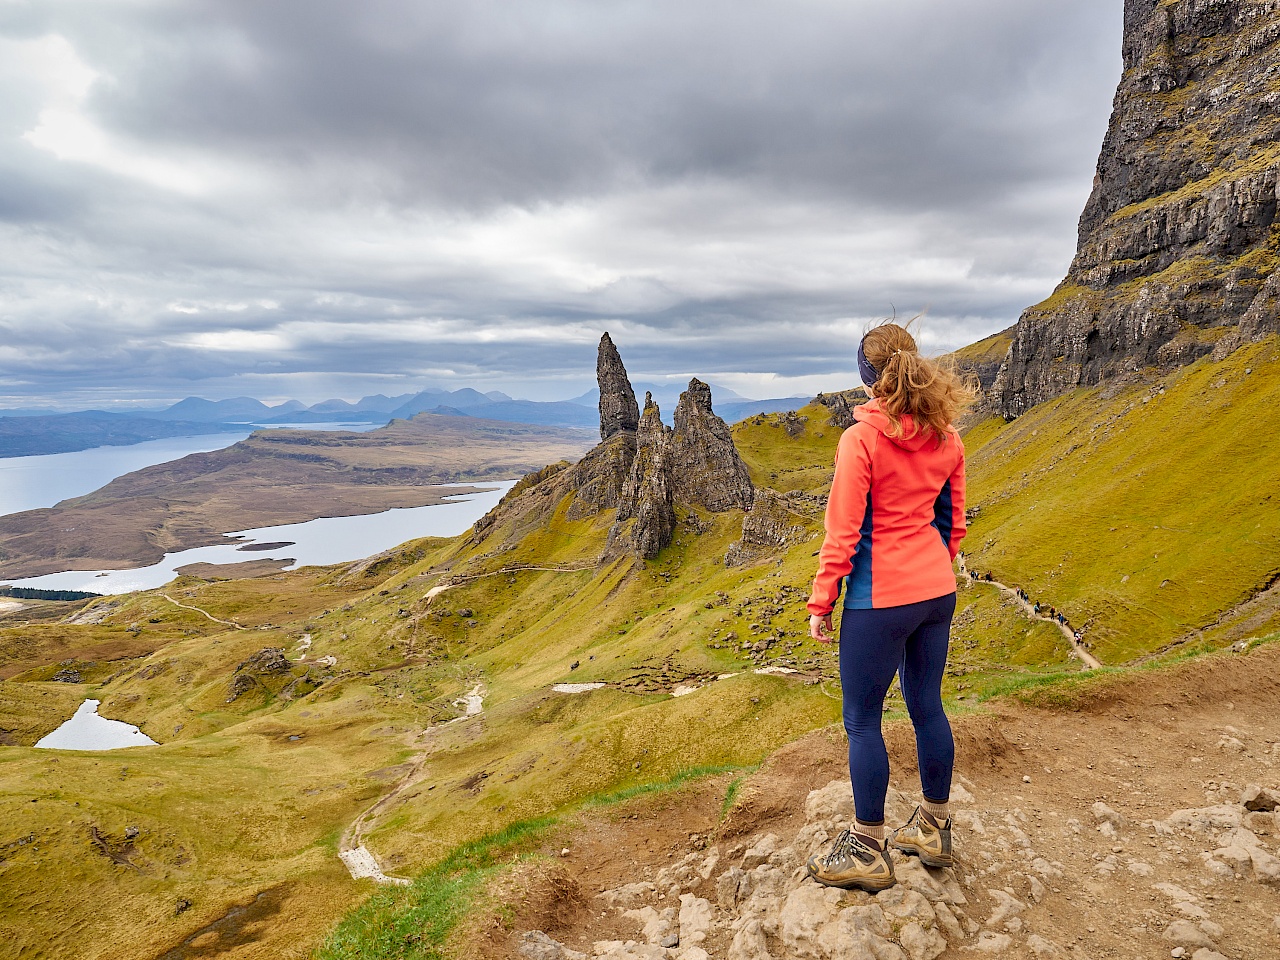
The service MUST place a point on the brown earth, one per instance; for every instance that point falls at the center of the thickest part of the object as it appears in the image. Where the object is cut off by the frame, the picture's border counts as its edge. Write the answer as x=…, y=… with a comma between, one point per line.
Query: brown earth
x=274, y=477
x=1145, y=745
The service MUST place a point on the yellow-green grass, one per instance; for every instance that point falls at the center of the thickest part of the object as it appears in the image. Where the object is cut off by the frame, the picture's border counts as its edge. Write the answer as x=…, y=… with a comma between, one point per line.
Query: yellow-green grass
x=1142, y=512
x=228, y=776
x=785, y=463
x=991, y=350
x=219, y=820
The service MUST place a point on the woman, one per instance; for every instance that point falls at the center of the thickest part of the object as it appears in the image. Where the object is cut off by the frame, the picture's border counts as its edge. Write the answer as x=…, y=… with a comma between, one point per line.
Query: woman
x=895, y=519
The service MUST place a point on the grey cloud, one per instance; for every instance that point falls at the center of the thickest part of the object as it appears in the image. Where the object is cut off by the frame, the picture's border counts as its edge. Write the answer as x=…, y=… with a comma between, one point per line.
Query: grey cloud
x=694, y=175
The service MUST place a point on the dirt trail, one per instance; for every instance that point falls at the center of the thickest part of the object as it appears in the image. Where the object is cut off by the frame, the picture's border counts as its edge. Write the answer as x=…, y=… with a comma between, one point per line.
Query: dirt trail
x=1123, y=825
x=1078, y=649
x=206, y=613
x=359, y=860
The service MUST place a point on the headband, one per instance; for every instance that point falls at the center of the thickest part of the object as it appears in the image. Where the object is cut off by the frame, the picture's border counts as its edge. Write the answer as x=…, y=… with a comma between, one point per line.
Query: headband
x=868, y=373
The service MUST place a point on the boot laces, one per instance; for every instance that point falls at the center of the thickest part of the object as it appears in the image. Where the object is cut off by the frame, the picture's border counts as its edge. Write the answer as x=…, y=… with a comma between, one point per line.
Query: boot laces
x=845, y=848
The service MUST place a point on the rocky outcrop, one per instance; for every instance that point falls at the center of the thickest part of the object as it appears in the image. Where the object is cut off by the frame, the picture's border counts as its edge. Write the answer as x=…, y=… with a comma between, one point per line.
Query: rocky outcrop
x=250, y=674
x=647, y=498
x=693, y=464
x=841, y=406
x=769, y=526
x=618, y=410
x=704, y=464
x=641, y=468
x=1177, y=248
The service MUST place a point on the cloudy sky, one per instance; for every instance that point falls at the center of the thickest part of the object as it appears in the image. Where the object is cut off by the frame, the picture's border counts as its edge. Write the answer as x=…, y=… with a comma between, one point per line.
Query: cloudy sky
x=313, y=198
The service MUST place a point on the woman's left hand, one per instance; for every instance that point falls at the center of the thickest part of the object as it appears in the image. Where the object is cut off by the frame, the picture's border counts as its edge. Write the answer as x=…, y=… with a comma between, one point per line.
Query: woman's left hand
x=821, y=629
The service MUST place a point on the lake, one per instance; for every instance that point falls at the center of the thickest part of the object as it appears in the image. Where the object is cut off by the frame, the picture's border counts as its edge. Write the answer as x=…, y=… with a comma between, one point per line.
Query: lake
x=29, y=483
x=313, y=543
x=88, y=731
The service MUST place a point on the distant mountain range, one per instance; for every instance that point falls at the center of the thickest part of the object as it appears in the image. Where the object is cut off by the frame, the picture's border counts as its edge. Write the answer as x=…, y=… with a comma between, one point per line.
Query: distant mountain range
x=28, y=432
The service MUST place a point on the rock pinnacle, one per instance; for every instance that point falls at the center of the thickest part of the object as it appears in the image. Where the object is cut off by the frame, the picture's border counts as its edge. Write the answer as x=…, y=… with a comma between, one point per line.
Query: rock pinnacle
x=618, y=408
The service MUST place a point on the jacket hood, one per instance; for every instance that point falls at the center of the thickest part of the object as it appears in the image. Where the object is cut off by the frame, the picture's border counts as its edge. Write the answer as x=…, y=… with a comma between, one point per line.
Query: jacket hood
x=911, y=439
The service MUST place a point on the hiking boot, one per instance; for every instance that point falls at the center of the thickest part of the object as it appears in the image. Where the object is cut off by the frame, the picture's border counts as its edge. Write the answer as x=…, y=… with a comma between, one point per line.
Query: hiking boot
x=852, y=863
x=924, y=837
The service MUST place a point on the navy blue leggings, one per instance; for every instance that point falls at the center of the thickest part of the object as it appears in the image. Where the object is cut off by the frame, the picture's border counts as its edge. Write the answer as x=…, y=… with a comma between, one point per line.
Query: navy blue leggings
x=874, y=644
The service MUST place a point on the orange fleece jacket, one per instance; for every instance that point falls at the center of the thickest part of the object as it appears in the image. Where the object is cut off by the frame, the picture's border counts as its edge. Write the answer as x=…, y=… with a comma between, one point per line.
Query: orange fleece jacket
x=895, y=517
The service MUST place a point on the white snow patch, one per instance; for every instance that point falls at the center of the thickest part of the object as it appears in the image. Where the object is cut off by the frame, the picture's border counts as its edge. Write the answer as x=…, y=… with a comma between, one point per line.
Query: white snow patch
x=473, y=701
x=685, y=689
x=576, y=687
x=363, y=865
x=775, y=671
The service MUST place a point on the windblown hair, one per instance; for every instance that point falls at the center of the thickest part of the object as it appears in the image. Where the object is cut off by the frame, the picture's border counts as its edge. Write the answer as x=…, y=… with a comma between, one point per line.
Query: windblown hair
x=928, y=390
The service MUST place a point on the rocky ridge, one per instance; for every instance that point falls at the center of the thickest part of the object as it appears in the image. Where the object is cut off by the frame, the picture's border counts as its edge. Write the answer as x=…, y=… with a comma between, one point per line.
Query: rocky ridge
x=1178, y=244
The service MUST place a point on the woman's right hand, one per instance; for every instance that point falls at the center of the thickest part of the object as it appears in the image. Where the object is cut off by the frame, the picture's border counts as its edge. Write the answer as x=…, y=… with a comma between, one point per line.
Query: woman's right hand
x=821, y=628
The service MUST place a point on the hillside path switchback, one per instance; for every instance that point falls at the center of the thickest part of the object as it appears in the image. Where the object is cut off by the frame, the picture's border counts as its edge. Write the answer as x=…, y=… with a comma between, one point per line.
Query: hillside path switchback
x=1078, y=649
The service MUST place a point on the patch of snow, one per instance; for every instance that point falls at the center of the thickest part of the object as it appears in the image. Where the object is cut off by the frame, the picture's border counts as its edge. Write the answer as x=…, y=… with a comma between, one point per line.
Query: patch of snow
x=775, y=671
x=576, y=687
x=303, y=646
x=362, y=865
x=685, y=689
x=473, y=701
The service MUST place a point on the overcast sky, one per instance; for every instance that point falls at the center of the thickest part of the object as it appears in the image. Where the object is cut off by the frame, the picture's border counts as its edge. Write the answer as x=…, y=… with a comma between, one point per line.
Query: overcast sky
x=313, y=198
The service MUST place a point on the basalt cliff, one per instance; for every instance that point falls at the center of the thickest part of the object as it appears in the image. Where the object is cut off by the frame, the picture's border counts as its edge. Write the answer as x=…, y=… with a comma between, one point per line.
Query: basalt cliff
x=1178, y=243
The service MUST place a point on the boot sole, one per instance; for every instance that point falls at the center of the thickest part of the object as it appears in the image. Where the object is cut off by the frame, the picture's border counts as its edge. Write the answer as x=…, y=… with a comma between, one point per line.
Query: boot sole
x=927, y=859
x=856, y=884
x=871, y=886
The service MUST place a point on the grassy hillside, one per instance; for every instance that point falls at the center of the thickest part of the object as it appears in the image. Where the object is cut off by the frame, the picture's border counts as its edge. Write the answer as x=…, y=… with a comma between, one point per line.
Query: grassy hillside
x=260, y=774
x=1146, y=512
x=245, y=801
x=1110, y=504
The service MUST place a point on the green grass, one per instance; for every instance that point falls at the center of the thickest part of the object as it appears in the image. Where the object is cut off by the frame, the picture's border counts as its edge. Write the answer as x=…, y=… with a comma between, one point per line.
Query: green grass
x=1142, y=514
x=414, y=923
x=233, y=805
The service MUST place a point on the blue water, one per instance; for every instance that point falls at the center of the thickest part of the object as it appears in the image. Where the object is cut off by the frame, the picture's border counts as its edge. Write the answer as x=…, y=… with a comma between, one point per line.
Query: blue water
x=29, y=483
x=88, y=731
x=313, y=543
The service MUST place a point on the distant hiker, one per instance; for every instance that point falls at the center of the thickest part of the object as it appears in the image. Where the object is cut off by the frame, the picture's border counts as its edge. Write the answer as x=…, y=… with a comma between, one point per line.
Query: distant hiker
x=897, y=496
x=1036, y=609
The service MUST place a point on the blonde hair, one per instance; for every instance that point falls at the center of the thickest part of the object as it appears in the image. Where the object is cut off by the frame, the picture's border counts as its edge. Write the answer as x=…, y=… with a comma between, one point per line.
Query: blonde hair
x=928, y=390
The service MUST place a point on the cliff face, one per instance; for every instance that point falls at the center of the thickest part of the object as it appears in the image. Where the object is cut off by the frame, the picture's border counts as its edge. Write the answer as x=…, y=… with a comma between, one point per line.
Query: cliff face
x=1178, y=243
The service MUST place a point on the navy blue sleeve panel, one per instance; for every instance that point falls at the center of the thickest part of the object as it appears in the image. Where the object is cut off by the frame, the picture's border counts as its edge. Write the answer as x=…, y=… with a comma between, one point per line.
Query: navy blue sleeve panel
x=943, y=513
